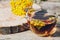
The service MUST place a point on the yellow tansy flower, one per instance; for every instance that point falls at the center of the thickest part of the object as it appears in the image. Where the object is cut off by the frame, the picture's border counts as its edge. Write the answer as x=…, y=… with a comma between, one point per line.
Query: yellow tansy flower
x=18, y=6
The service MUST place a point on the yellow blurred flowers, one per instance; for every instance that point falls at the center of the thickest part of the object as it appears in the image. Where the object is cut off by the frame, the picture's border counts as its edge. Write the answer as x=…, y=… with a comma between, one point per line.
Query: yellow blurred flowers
x=37, y=23
x=18, y=6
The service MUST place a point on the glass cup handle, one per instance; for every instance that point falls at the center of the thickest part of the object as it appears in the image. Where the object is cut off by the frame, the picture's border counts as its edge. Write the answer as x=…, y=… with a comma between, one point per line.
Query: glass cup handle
x=56, y=15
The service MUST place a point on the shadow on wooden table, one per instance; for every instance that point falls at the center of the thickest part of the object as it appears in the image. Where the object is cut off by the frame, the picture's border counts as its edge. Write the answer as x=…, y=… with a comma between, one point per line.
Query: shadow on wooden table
x=57, y=34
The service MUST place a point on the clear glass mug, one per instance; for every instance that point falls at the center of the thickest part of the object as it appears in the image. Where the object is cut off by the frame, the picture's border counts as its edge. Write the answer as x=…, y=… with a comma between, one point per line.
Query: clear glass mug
x=43, y=26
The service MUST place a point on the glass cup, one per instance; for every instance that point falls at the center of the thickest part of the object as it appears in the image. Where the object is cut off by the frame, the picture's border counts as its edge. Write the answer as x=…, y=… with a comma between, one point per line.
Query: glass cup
x=43, y=25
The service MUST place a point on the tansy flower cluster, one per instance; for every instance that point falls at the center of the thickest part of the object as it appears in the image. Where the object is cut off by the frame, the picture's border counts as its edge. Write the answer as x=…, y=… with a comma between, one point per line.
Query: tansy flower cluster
x=18, y=6
x=37, y=23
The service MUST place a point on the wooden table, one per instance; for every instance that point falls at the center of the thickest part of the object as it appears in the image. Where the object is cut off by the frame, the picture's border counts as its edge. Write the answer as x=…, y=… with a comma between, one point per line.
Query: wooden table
x=28, y=35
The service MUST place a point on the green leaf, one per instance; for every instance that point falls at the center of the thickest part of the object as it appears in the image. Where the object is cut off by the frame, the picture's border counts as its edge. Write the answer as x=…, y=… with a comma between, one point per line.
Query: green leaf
x=31, y=0
x=38, y=27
